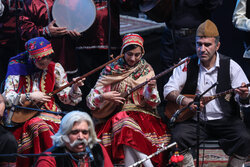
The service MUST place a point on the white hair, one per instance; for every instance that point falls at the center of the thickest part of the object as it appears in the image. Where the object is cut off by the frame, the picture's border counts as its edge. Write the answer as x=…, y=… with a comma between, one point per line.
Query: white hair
x=68, y=122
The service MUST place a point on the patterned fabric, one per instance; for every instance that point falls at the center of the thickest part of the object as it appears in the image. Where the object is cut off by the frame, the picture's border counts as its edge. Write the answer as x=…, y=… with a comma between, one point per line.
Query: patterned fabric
x=137, y=125
x=34, y=135
x=21, y=65
x=129, y=39
x=120, y=77
x=38, y=48
x=34, y=83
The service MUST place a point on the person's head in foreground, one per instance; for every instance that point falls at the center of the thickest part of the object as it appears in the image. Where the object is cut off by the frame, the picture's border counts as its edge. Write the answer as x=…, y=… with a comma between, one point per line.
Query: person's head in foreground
x=76, y=131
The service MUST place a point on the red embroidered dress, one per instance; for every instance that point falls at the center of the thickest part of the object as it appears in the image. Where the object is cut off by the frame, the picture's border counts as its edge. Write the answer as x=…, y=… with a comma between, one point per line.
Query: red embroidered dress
x=137, y=125
x=34, y=135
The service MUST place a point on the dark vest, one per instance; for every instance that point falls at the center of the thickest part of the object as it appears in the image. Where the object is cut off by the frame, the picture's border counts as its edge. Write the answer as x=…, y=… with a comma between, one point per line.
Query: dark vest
x=229, y=108
x=67, y=161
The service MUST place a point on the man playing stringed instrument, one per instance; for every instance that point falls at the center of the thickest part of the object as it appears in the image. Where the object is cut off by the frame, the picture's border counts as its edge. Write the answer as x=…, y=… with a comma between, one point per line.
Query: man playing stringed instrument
x=220, y=118
x=35, y=74
x=136, y=130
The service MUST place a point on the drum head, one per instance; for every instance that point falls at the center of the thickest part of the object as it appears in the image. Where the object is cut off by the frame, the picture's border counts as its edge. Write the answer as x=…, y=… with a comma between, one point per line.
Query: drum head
x=76, y=15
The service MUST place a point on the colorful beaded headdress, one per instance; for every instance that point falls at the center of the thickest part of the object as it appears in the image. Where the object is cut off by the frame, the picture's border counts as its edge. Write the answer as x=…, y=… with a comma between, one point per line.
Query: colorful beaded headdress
x=38, y=48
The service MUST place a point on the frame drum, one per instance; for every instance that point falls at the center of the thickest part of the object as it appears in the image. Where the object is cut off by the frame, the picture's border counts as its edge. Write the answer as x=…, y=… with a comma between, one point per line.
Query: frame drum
x=77, y=15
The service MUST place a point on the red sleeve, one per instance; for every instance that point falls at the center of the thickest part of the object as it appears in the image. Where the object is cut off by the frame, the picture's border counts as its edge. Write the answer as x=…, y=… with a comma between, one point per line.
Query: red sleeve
x=33, y=20
x=107, y=161
x=46, y=161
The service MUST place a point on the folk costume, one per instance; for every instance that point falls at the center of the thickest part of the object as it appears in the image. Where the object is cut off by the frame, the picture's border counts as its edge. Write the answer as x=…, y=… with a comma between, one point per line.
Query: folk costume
x=34, y=22
x=100, y=155
x=220, y=118
x=137, y=124
x=34, y=135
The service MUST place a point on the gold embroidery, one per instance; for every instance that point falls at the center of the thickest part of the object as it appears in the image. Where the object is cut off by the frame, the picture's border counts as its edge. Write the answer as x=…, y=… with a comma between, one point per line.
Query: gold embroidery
x=28, y=83
x=43, y=81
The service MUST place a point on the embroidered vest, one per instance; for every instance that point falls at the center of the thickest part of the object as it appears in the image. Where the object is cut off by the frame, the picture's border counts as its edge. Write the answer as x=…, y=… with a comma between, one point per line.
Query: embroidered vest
x=46, y=84
x=229, y=106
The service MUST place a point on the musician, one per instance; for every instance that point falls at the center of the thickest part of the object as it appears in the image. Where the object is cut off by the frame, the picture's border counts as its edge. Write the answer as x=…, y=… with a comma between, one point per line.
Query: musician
x=102, y=39
x=136, y=130
x=37, y=21
x=8, y=144
x=220, y=118
x=35, y=74
x=179, y=35
x=75, y=134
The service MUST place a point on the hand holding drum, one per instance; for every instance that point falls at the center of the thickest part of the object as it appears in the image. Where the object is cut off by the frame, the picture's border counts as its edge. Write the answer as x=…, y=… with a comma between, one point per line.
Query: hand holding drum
x=75, y=15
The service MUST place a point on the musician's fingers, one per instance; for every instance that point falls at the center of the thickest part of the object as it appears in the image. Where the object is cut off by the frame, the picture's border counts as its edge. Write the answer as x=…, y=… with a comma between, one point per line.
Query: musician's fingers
x=47, y=97
x=119, y=98
x=119, y=101
x=51, y=23
x=152, y=82
x=242, y=91
x=74, y=34
x=81, y=81
x=60, y=29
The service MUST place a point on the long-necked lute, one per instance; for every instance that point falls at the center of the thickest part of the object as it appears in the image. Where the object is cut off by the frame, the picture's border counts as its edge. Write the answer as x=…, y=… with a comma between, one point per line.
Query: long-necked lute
x=172, y=107
x=108, y=108
x=22, y=115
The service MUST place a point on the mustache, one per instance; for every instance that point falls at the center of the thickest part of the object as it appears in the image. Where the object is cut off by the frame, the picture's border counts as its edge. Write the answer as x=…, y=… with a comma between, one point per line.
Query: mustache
x=78, y=142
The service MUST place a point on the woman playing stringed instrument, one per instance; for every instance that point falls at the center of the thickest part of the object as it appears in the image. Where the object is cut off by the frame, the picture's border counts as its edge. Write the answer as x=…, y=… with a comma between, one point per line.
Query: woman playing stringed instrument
x=35, y=74
x=136, y=130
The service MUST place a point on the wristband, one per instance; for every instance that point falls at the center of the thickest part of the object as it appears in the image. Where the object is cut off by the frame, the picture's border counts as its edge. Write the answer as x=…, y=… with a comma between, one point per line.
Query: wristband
x=179, y=99
x=48, y=32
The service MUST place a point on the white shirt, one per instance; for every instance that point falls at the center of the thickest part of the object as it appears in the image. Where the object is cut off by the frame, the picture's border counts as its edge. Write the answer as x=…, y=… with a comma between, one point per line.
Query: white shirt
x=1, y=8
x=206, y=78
x=240, y=20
